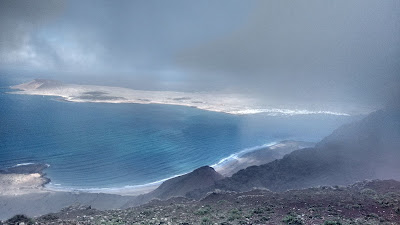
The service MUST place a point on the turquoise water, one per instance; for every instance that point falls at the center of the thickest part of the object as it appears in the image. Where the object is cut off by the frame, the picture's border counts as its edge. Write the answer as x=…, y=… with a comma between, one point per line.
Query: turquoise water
x=95, y=145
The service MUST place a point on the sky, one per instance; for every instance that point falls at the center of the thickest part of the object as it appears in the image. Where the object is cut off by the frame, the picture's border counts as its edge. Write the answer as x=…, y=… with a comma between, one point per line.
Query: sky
x=343, y=52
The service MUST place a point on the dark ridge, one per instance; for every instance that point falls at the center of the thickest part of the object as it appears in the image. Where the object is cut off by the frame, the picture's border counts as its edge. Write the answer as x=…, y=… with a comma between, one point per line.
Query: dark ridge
x=367, y=149
x=200, y=178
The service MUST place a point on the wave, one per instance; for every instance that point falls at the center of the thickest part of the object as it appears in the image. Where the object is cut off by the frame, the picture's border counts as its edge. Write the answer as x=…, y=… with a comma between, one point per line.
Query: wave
x=22, y=164
x=117, y=190
x=237, y=155
x=153, y=185
x=27, y=164
x=290, y=112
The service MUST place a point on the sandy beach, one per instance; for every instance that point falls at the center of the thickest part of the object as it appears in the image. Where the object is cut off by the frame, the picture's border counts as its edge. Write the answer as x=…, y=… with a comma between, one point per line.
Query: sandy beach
x=25, y=189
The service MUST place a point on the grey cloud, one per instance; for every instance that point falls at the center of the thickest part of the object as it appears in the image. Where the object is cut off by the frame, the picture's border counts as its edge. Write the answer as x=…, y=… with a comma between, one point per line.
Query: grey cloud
x=309, y=50
x=18, y=22
x=293, y=51
x=144, y=35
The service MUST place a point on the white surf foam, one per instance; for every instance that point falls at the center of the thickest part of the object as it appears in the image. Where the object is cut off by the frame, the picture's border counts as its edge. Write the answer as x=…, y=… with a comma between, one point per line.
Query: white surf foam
x=116, y=190
x=237, y=155
x=23, y=164
x=152, y=185
x=290, y=112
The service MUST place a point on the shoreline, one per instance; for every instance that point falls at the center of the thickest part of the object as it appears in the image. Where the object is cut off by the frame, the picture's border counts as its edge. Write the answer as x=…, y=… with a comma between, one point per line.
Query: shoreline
x=134, y=190
x=19, y=192
x=23, y=178
x=37, y=181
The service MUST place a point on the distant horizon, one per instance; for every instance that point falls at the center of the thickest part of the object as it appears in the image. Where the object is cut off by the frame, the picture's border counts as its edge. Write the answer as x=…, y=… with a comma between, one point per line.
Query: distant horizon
x=240, y=108
x=341, y=52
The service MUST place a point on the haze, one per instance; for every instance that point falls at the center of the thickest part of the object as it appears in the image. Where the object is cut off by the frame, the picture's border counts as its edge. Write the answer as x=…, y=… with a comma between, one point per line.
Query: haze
x=340, y=54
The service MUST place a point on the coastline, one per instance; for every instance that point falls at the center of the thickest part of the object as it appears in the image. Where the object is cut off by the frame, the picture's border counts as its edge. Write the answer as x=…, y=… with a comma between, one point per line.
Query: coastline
x=26, y=178
x=26, y=184
x=23, y=178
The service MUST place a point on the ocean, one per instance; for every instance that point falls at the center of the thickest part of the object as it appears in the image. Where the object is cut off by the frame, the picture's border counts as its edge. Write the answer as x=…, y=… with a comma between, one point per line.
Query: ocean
x=99, y=145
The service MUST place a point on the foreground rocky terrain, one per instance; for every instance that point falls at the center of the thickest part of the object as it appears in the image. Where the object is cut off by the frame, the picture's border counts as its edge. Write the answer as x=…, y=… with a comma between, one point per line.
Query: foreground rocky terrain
x=368, y=202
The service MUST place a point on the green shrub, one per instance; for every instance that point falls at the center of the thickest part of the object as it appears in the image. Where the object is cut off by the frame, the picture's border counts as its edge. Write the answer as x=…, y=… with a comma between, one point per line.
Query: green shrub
x=291, y=219
x=368, y=191
x=329, y=222
x=146, y=213
x=258, y=211
x=49, y=217
x=19, y=219
x=203, y=211
x=234, y=214
x=225, y=223
x=206, y=221
x=372, y=215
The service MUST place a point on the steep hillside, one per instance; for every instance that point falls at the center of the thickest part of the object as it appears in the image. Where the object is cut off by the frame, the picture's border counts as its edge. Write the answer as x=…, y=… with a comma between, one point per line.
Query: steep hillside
x=367, y=149
x=200, y=178
x=261, y=156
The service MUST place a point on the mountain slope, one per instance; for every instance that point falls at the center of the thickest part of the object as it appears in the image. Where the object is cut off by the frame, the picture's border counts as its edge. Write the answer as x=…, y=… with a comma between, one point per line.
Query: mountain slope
x=200, y=178
x=261, y=156
x=367, y=149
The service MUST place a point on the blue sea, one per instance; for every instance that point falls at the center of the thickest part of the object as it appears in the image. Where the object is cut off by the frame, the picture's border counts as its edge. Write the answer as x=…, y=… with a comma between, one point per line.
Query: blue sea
x=96, y=145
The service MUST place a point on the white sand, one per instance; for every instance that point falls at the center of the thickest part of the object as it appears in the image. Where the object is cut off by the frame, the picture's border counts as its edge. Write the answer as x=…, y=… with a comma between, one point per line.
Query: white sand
x=25, y=194
x=18, y=184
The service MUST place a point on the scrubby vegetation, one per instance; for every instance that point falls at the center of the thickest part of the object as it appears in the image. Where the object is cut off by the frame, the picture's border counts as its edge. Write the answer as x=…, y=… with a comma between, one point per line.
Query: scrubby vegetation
x=375, y=202
x=20, y=219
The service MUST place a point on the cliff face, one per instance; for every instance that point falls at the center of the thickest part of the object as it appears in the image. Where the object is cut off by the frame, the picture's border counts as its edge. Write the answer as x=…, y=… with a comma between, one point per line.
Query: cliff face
x=367, y=149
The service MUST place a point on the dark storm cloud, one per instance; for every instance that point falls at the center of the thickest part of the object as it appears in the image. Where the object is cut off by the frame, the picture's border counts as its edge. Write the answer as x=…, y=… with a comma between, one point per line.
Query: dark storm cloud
x=131, y=36
x=18, y=21
x=299, y=51
x=101, y=36
x=310, y=50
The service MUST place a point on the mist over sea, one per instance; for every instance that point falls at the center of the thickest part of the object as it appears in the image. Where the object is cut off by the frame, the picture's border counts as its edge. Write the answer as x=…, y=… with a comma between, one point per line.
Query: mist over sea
x=98, y=145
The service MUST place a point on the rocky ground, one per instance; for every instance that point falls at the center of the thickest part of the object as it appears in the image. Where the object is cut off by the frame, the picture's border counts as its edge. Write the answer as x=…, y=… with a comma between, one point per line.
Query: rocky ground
x=372, y=202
